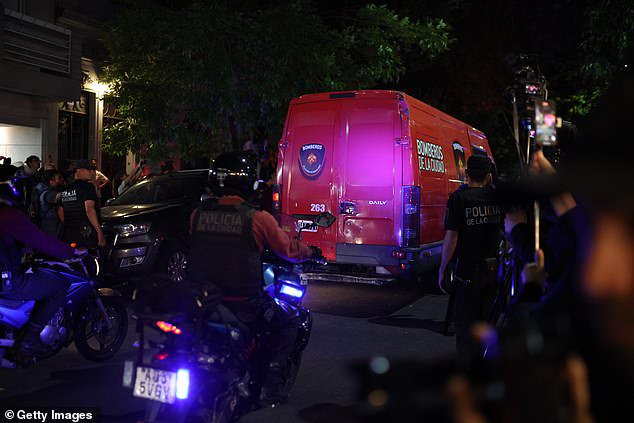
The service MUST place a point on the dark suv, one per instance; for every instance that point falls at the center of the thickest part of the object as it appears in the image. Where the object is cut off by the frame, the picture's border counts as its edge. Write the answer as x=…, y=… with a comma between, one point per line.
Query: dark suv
x=147, y=227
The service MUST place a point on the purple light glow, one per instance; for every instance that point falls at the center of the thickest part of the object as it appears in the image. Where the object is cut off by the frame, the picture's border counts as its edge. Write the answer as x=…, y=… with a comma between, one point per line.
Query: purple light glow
x=291, y=291
x=182, y=384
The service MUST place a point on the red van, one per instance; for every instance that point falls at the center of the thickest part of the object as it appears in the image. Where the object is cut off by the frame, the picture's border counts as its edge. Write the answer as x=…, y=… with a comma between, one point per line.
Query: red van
x=384, y=164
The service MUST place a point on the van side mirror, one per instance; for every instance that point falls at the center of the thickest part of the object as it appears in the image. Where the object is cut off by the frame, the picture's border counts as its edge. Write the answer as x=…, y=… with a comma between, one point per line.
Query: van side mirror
x=324, y=219
x=109, y=201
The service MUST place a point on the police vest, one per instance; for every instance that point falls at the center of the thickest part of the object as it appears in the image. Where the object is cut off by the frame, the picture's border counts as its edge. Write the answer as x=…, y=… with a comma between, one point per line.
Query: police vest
x=481, y=219
x=224, y=250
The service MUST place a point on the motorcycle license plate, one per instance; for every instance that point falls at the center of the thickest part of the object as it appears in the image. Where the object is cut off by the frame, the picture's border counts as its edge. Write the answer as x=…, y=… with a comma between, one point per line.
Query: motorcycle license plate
x=154, y=384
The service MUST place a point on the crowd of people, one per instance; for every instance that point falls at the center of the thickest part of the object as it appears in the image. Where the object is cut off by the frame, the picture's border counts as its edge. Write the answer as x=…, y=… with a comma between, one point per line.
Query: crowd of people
x=565, y=348
x=45, y=191
x=53, y=213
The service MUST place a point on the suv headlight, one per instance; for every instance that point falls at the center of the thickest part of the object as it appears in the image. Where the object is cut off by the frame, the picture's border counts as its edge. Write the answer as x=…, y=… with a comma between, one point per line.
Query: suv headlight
x=130, y=229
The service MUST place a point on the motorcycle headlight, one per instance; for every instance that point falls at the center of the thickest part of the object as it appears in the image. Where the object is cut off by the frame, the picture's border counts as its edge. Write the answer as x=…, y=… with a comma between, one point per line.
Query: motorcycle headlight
x=130, y=229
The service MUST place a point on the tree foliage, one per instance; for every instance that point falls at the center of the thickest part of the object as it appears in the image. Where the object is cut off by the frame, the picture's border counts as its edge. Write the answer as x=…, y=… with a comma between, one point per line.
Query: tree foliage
x=605, y=40
x=197, y=77
x=580, y=45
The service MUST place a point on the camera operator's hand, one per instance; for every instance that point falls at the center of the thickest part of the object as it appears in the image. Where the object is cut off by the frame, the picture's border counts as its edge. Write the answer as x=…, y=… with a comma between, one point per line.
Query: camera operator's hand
x=534, y=272
x=540, y=165
x=513, y=218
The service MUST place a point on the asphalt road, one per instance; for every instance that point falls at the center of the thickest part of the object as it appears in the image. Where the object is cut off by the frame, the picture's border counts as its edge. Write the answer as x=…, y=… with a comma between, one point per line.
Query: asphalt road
x=352, y=324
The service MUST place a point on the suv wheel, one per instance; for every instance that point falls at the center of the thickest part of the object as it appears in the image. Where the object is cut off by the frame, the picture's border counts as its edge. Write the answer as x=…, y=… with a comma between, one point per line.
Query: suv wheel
x=174, y=263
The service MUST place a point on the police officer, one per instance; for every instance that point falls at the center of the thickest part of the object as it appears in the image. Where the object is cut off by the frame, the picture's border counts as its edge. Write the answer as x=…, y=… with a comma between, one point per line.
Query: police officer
x=472, y=235
x=78, y=209
x=228, y=236
x=16, y=229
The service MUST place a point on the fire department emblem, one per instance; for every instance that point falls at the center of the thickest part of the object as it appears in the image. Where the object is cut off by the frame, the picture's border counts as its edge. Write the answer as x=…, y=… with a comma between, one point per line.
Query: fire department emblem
x=311, y=160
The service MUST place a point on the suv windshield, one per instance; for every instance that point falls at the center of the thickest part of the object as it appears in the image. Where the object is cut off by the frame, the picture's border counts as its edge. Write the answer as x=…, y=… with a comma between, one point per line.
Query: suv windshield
x=159, y=190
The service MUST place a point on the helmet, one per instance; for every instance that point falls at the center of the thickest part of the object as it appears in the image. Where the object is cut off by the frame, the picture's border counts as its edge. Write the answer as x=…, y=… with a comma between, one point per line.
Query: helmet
x=235, y=173
x=7, y=171
x=9, y=193
x=12, y=189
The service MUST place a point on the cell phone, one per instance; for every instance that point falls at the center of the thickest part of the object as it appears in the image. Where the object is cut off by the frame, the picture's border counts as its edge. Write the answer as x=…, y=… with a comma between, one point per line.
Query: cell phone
x=545, y=123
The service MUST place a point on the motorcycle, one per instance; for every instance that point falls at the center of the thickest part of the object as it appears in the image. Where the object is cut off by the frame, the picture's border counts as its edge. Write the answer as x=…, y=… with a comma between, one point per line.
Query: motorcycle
x=95, y=319
x=207, y=365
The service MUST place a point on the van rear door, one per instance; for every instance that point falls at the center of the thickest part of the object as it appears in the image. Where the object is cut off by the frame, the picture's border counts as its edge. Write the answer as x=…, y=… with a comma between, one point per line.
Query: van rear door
x=371, y=179
x=307, y=153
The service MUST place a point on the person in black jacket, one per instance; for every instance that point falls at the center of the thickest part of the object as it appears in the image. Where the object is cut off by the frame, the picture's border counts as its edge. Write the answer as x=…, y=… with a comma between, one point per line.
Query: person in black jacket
x=472, y=232
x=78, y=209
x=228, y=236
x=589, y=309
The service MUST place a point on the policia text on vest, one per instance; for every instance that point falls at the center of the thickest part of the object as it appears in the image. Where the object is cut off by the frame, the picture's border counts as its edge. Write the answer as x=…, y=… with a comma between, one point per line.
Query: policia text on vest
x=480, y=215
x=217, y=222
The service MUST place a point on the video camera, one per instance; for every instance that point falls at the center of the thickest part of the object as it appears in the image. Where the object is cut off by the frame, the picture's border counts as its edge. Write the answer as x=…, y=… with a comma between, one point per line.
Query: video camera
x=529, y=81
x=529, y=84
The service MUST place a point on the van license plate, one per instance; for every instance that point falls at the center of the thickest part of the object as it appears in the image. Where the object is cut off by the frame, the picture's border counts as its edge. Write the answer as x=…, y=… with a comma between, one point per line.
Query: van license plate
x=306, y=226
x=154, y=384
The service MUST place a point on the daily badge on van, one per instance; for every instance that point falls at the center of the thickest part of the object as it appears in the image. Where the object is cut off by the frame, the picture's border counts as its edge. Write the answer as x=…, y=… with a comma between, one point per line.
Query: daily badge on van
x=311, y=160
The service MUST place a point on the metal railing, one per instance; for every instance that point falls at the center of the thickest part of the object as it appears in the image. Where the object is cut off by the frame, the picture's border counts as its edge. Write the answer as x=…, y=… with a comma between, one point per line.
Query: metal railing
x=30, y=41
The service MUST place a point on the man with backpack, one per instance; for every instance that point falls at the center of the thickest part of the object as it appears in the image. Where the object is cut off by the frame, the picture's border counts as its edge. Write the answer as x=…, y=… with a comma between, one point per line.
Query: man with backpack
x=44, y=201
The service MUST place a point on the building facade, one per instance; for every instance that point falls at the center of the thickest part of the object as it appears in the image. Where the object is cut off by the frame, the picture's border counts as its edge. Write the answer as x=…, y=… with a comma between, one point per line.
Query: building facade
x=51, y=102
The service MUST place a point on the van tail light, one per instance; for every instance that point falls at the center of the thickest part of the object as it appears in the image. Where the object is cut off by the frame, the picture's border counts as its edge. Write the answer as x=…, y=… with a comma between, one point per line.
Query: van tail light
x=411, y=216
x=277, y=204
